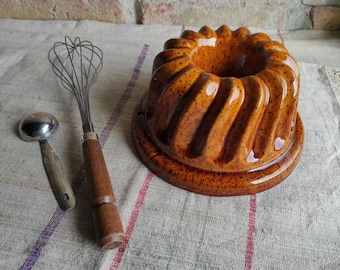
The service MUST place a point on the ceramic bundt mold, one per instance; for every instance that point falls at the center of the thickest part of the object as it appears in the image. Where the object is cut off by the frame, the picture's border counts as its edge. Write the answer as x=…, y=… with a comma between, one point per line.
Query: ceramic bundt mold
x=220, y=117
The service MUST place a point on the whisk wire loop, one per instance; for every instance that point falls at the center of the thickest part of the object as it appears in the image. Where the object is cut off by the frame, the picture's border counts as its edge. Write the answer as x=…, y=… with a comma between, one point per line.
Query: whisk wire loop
x=77, y=63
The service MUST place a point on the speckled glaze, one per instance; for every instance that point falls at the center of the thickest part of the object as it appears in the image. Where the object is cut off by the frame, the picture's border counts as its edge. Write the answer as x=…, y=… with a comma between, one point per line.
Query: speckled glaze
x=220, y=117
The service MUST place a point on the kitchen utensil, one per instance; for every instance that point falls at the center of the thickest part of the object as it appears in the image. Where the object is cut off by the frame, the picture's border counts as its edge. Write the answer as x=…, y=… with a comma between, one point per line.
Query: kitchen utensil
x=38, y=127
x=77, y=64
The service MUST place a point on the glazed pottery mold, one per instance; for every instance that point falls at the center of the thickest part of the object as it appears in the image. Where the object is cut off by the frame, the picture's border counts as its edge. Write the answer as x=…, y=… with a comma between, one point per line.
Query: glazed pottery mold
x=220, y=116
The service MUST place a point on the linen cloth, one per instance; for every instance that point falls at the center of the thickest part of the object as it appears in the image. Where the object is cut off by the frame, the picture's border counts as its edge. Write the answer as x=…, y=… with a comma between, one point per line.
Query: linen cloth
x=295, y=225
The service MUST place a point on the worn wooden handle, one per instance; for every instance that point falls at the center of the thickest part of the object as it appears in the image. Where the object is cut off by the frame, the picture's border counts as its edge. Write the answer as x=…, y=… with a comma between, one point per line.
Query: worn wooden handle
x=60, y=185
x=107, y=222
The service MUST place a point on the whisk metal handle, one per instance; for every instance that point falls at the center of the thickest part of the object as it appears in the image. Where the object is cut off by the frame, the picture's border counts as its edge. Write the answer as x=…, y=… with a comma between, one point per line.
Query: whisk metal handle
x=108, y=225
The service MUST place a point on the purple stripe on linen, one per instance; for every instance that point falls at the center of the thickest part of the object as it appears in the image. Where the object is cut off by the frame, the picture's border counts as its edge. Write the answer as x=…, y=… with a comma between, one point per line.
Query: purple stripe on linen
x=43, y=239
x=183, y=29
x=58, y=215
x=126, y=95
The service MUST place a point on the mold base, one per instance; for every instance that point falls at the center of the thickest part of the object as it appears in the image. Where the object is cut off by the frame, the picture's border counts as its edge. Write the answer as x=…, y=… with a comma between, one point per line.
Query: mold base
x=213, y=183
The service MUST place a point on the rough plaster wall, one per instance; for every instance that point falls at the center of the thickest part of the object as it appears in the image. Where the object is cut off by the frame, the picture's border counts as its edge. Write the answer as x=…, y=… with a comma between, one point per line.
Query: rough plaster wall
x=287, y=15
x=325, y=14
x=321, y=2
x=326, y=18
x=283, y=14
x=101, y=10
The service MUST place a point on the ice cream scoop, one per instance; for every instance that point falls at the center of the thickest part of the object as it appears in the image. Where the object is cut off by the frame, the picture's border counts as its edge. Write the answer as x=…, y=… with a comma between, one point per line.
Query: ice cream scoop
x=38, y=127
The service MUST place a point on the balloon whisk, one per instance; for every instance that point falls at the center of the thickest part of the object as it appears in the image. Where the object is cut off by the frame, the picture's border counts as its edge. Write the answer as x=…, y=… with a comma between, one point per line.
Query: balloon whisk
x=77, y=63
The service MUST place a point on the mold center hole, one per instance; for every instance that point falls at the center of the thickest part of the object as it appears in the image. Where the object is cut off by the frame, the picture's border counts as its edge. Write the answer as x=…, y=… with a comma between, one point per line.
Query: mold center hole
x=227, y=58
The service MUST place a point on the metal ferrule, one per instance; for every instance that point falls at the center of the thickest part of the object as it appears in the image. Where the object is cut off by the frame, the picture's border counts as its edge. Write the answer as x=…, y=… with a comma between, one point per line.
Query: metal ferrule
x=103, y=200
x=89, y=136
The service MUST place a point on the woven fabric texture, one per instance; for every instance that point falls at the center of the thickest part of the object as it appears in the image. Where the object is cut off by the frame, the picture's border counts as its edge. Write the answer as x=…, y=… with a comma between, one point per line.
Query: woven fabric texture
x=295, y=225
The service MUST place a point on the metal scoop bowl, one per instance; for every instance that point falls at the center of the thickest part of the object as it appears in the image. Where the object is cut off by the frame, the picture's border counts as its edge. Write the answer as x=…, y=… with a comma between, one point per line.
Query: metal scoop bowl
x=38, y=127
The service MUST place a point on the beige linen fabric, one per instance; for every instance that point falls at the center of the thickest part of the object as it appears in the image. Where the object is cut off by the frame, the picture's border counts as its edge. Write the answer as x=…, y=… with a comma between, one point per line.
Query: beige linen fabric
x=334, y=79
x=295, y=225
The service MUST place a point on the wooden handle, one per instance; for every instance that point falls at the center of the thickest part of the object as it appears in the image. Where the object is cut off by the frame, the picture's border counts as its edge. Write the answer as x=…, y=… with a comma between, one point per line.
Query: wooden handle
x=107, y=222
x=60, y=185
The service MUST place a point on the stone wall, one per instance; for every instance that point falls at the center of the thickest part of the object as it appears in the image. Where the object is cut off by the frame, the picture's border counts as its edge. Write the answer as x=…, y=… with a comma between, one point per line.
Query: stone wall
x=282, y=14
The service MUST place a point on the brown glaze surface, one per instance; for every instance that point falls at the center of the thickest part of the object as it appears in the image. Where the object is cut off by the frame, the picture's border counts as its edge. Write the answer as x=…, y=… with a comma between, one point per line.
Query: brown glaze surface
x=220, y=115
